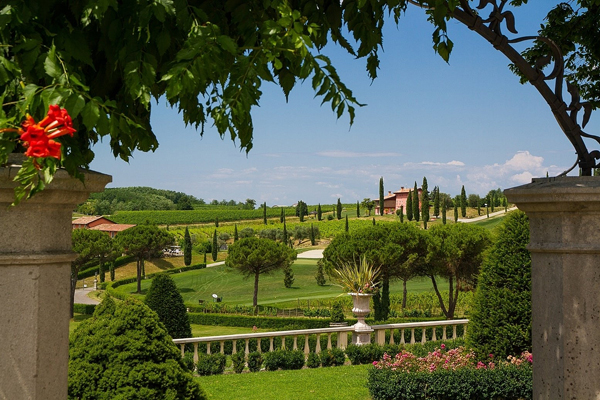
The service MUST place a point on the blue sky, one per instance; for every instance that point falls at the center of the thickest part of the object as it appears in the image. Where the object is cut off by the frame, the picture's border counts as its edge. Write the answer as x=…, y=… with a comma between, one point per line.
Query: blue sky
x=467, y=123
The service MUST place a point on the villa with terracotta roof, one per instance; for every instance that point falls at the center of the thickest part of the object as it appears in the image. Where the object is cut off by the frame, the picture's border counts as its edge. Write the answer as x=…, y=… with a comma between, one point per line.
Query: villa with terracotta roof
x=99, y=223
x=393, y=201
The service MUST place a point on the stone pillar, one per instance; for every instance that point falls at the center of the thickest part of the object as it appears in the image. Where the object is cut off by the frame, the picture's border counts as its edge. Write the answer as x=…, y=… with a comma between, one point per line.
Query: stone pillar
x=35, y=268
x=564, y=217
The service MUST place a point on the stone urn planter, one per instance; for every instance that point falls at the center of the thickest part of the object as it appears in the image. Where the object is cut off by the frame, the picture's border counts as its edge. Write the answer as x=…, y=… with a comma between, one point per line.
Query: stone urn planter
x=362, y=331
x=35, y=268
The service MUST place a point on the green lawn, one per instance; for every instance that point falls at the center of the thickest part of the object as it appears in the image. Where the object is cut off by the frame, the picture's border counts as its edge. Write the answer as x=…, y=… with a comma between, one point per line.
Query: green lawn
x=491, y=223
x=332, y=383
x=230, y=285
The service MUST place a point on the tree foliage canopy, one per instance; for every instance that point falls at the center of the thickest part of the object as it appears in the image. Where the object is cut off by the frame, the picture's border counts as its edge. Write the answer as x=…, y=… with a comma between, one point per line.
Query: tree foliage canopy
x=164, y=298
x=253, y=257
x=124, y=352
x=501, y=320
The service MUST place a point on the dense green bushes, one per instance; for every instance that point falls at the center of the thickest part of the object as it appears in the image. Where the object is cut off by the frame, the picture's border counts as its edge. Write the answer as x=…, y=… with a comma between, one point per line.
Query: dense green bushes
x=87, y=309
x=501, y=383
x=284, y=359
x=124, y=352
x=210, y=364
x=501, y=317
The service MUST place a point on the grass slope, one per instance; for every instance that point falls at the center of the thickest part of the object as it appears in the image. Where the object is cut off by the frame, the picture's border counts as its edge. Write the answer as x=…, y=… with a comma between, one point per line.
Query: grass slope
x=333, y=383
x=234, y=289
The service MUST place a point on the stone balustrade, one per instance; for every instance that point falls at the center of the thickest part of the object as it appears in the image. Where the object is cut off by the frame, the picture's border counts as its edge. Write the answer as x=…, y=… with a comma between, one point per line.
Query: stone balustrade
x=342, y=339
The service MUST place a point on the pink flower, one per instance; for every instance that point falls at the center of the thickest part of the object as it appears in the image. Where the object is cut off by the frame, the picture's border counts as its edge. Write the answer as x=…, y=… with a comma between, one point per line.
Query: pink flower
x=443, y=346
x=491, y=355
x=374, y=362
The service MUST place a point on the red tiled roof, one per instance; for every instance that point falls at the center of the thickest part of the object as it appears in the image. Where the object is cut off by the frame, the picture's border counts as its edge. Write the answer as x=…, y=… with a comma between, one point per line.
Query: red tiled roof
x=111, y=227
x=86, y=220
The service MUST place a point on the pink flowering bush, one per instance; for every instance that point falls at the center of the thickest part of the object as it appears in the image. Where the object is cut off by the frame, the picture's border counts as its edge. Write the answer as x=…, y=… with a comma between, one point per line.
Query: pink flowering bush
x=450, y=374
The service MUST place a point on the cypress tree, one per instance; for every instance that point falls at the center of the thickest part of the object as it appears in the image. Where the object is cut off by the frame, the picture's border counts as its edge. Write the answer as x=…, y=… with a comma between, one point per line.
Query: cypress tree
x=215, y=249
x=505, y=280
x=187, y=247
x=265, y=212
x=320, y=277
x=204, y=257
x=112, y=271
x=381, y=197
x=313, y=239
x=319, y=213
x=346, y=223
x=288, y=277
x=102, y=272
x=216, y=222
x=455, y=212
x=415, y=203
x=463, y=202
x=282, y=215
x=357, y=210
x=436, y=201
x=401, y=213
x=505, y=204
x=338, y=208
x=285, y=234
x=409, y=207
x=373, y=221
x=478, y=208
x=164, y=298
x=235, y=233
x=444, y=211
x=425, y=204
x=493, y=201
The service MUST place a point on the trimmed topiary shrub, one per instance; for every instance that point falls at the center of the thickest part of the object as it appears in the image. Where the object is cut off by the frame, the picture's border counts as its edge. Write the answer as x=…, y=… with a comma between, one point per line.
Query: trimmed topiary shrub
x=238, y=361
x=274, y=360
x=210, y=364
x=313, y=361
x=127, y=354
x=255, y=361
x=294, y=359
x=188, y=361
x=500, y=323
x=164, y=298
x=337, y=312
x=501, y=383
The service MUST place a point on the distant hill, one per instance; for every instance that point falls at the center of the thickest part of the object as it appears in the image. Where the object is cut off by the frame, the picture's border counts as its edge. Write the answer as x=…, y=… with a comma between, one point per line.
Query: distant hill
x=137, y=199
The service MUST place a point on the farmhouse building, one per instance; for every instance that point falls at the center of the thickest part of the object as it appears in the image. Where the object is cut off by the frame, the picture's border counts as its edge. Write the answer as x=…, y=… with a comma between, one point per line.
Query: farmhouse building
x=100, y=223
x=393, y=201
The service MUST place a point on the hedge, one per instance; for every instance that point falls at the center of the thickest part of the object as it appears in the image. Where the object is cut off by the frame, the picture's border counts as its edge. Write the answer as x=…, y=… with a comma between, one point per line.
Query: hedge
x=248, y=321
x=501, y=383
x=87, y=309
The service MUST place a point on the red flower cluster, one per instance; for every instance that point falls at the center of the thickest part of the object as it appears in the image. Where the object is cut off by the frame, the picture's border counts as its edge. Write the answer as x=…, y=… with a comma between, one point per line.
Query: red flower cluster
x=38, y=137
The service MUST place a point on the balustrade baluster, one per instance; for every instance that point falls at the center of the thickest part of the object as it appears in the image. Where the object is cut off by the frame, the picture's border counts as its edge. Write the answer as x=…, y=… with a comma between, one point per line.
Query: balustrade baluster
x=412, y=336
x=342, y=341
x=182, y=350
x=453, y=331
x=318, y=348
x=392, y=336
x=271, y=343
x=207, y=347
x=423, y=335
x=306, y=345
x=247, y=350
x=258, y=346
x=234, y=347
x=433, y=337
x=380, y=336
x=444, y=335
x=283, y=343
x=402, y=337
x=196, y=353
x=222, y=347
x=329, y=341
x=295, y=342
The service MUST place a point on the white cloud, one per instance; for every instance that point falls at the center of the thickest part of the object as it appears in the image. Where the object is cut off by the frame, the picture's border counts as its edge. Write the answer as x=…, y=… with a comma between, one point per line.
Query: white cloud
x=452, y=163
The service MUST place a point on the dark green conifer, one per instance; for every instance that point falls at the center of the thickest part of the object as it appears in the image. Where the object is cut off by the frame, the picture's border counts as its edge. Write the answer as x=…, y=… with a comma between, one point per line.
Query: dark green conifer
x=401, y=213
x=444, y=211
x=319, y=213
x=425, y=204
x=415, y=203
x=235, y=234
x=455, y=212
x=381, y=197
x=463, y=202
x=164, y=298
x=346, y=223
x=436, y=201
x=187, y=247
x=215, y=247
x=339, y=209
x=265, y=212
x=357, y=210
x=409, y=207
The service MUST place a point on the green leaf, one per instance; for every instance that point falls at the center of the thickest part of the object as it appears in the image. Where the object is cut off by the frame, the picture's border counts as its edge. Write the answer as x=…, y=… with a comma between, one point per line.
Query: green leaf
x=51, y=66
x=90, y=114
x=75, y=104
x=227, y=44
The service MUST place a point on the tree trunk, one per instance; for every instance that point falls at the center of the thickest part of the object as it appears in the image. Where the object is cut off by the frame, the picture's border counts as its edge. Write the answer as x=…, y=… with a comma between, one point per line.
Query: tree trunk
x=404, y=293
x=439, y=296
x=255, y=296
x=139, y=275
